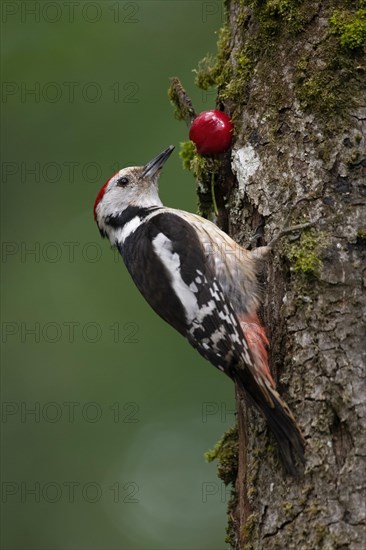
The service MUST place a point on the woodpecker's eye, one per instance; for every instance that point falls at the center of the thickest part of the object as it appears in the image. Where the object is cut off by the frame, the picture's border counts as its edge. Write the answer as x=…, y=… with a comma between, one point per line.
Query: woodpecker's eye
x=122, y=181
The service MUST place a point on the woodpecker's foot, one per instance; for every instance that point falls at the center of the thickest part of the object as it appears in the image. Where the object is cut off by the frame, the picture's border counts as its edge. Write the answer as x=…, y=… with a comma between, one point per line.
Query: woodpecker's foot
x=287, y=230
x=261, y=252
x=258, y=234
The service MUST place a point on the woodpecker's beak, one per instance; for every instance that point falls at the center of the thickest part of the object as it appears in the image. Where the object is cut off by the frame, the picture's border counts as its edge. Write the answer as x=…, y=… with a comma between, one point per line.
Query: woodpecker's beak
x=152, y=167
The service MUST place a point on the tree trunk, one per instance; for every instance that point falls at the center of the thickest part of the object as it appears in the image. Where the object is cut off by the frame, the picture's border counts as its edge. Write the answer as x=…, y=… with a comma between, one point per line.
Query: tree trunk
x=292, y=76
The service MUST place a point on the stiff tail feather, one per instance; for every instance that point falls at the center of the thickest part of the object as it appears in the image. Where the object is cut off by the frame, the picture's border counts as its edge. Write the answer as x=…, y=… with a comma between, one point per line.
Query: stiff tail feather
x=280, y=421
x=286, y=431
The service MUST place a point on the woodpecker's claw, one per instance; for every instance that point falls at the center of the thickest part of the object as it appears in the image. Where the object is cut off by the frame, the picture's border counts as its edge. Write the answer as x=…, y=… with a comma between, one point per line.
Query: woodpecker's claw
x=288, y=230
x=262, y=252
x=258, y=233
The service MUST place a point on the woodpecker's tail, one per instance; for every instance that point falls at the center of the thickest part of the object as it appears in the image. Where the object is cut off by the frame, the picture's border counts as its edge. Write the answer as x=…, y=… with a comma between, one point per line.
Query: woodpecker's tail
x=281, y=422
x=286, y=431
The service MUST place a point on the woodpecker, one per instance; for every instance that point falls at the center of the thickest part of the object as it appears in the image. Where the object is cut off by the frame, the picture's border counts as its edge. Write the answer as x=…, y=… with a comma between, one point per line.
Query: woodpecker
x=201, y=282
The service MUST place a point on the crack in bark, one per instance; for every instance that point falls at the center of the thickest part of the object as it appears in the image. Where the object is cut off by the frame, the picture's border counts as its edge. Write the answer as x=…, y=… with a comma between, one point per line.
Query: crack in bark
x=282, y=525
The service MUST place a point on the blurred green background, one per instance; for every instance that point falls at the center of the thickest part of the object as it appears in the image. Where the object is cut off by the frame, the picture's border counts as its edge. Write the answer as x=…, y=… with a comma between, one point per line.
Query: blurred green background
x=106, y=411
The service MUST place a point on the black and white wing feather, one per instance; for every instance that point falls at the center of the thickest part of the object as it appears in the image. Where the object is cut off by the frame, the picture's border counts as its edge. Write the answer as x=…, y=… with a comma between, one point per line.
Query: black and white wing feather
x=180, y=282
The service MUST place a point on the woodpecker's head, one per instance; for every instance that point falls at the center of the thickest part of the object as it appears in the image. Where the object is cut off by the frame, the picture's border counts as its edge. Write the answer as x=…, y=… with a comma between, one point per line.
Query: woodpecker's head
x=135, y=186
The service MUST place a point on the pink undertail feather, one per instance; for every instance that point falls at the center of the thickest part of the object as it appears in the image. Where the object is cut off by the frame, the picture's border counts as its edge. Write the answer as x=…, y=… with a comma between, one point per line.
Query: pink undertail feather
x=255, y=335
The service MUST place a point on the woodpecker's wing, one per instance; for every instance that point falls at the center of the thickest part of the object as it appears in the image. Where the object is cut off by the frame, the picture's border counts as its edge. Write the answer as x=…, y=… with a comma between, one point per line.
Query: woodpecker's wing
x=177, y=274
x=236, y=271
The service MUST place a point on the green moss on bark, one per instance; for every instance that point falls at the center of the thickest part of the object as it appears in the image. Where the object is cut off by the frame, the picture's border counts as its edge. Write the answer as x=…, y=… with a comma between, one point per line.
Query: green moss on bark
x=325, y=83
x=228, y=72
x=350, y=28
x=280, y=15
x=188, y=153
x=212, y=71
x=305, y=253
x=205, y=170
x=226, y=453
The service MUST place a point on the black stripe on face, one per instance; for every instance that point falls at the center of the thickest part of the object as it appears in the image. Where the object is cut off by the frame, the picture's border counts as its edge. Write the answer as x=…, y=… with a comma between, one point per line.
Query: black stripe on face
x=120, y=219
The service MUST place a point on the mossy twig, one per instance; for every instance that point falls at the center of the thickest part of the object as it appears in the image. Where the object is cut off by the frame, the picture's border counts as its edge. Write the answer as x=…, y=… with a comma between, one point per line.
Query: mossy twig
x=184, y=109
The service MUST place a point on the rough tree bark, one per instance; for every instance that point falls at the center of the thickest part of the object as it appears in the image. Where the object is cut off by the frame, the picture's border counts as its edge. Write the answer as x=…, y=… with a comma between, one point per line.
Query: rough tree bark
x=292, y=76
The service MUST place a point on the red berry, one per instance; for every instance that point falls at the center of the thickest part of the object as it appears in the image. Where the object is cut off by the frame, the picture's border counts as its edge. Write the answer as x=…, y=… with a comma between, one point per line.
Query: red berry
x=211, y=131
